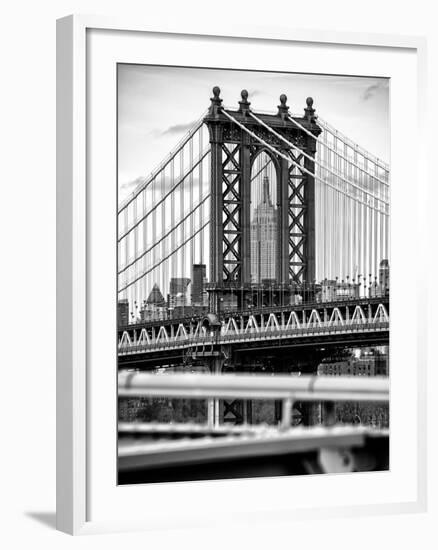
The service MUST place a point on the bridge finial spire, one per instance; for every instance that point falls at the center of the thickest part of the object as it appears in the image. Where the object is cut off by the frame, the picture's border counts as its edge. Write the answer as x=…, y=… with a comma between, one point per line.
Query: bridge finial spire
x=309, y=110
x=283, y=108
x=244, y=103
x=216, y=102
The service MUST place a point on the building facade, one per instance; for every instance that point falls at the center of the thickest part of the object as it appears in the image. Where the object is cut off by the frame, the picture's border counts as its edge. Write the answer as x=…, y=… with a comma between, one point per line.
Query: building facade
x=123, y=312
x=199, y=294
x=264, y=230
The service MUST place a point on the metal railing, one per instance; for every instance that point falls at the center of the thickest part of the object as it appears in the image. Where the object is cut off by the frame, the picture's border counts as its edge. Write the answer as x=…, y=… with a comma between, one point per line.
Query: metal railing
x=226, y=386
x=245, y=440
x=229, y=386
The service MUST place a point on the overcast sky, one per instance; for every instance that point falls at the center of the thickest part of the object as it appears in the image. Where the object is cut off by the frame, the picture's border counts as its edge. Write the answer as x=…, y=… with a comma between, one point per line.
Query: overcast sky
x=157, y=105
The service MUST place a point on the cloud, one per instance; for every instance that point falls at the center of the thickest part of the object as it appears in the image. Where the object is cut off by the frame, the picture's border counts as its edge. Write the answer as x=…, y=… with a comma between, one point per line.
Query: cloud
x=371, y=91
x=161, y=186
x=178, y=128
x=129, y=186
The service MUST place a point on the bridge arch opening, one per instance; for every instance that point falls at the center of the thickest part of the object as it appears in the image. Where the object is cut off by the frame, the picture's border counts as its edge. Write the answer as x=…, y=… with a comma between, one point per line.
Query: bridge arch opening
x=264, y=214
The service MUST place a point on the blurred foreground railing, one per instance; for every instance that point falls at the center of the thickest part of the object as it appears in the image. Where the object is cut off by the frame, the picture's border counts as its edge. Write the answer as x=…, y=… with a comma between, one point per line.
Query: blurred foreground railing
x=228, y=386
x=145, y=445
x=254, y=386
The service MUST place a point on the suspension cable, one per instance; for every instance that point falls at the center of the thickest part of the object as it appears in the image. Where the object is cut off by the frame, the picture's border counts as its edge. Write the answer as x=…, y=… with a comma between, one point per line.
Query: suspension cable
x=302, y=168
x=177, y=184
x=335, y=151
x=163, y=237
x=127, y=285
x=309, y=157
x=261, y=170
x=148, y=180
x=349, y=143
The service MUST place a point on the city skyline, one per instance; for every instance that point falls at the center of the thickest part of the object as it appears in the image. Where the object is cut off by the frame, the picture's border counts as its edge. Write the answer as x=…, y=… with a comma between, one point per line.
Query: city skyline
x=263, y=230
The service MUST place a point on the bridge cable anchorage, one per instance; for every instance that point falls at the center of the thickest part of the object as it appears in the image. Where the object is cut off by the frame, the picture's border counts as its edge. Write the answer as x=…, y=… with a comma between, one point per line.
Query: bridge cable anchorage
x=165, y=236
x=303, y=169
x=163, y=198
x=349, y=143
x=336, y=152
x=148, y=180
x=174, y=251
x=312, y=159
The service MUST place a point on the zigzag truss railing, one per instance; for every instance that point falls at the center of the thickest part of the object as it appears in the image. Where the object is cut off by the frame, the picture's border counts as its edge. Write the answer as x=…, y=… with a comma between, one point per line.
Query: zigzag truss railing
x=255, y=327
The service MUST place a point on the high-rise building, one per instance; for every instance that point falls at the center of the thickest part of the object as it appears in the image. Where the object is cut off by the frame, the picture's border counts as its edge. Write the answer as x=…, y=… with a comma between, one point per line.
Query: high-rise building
x=178, y=285
x=155, y=305
x=381, y=288
x=198, y=284
x=384, y=277
x=337, y=290
x=264, y=231
x=123, y=312
x=370, y=362
x=155, y=298
x=178, y=292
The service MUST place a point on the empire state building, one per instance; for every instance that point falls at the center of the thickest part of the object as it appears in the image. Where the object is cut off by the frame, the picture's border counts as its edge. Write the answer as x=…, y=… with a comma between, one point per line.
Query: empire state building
x=264, y=238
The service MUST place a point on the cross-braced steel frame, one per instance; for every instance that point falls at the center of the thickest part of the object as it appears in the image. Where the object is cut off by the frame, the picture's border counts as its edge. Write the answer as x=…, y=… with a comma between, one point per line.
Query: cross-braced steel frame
x=233, y=152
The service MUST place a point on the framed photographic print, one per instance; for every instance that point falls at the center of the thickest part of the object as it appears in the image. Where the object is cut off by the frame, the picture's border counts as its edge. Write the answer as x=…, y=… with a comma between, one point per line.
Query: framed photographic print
x=235, y=243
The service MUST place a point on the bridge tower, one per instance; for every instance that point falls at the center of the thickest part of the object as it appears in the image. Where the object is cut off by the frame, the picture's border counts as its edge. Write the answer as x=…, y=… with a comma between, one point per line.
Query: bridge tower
x=233, y=153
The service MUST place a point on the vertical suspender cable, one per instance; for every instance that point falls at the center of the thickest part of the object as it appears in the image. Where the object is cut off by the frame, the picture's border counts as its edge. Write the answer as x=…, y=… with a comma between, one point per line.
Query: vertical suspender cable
x=342, y=221
x=181, y=209
x=191, y=206
x=135, y=246
x=330, y=222
x=145, y=243
x=164, y=267
x=381, y=219
x=201, y=187
x=172, y=218
x=370, y=226
x=364, y=237
x=376, y=227
x=127, y=253
x=348, y=219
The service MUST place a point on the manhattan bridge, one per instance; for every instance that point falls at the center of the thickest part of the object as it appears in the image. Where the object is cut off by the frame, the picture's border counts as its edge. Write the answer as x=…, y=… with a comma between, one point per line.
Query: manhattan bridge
x=259, y=245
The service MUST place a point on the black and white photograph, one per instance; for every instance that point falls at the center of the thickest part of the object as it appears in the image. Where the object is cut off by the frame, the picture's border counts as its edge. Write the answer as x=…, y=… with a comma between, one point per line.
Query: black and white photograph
x=253, y=274
x=219, y=264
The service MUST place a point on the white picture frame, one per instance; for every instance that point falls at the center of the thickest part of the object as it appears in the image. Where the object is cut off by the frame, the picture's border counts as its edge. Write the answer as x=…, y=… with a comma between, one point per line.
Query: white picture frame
x=77, y=367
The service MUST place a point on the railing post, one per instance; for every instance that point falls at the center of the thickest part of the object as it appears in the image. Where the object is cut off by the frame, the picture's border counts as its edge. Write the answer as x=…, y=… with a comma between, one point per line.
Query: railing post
x=286, y=413
x=213, y=403
x=328, y=413
x=213, y=413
